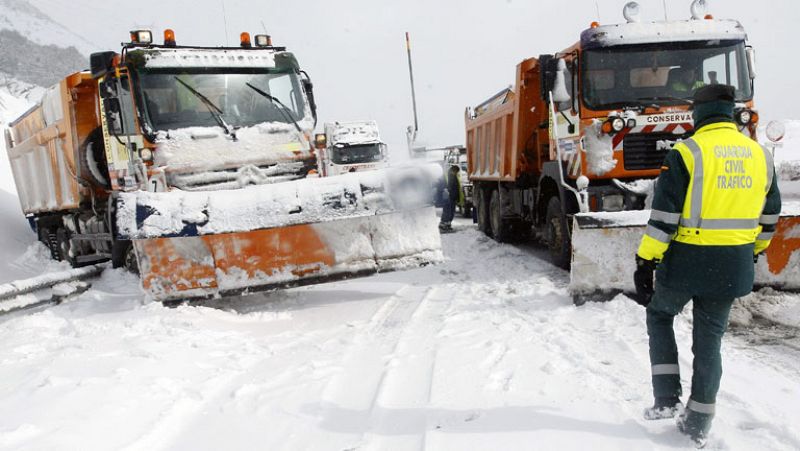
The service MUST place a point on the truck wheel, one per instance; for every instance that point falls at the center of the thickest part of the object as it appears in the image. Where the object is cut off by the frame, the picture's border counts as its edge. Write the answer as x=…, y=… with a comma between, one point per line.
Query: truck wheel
x=500, y=226
x=557, y=234
x=123, y=256
x=484, y=225
x=94, y=166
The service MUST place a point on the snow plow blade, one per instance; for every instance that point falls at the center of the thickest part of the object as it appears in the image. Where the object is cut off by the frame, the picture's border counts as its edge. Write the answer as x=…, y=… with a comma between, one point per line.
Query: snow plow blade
x=604, y=245
x=203, y=244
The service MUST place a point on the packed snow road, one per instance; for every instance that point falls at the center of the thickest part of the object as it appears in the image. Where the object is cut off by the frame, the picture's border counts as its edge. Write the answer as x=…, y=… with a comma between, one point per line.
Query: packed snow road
x=485, y=351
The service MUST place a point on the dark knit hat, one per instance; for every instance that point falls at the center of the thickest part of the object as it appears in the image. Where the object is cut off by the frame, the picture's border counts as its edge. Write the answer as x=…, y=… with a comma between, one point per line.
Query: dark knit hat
x=712, y=93
x=713, y=103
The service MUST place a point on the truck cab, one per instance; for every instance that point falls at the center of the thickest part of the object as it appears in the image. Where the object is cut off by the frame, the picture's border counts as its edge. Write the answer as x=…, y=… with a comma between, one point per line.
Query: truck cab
x=351, y=147
x=587, y=128
x=204, y=118
x=157, y=118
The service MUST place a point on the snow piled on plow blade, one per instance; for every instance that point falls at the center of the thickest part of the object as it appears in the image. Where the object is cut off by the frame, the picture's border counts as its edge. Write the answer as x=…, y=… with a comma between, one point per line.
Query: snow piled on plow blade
x=604, y=246
x=201, y=244
x=141, y=214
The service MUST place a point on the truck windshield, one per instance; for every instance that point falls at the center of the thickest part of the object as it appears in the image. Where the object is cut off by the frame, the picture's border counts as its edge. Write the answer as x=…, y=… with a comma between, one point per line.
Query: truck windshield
x=359, y=153
x=661, y=74
x=171, y=102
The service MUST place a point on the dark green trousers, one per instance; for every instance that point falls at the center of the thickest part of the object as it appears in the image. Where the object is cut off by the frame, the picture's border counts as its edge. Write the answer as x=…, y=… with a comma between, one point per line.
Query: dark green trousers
x=710, y=322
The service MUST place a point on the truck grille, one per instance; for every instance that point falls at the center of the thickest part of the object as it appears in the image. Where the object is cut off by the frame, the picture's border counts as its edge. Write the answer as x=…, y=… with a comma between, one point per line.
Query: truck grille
x=239, y=177
x=642, y=150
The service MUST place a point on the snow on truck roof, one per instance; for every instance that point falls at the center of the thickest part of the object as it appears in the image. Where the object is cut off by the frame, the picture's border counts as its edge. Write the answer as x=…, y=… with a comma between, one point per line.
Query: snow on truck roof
x=355, y=132
x=655, y=32
x=199, y=57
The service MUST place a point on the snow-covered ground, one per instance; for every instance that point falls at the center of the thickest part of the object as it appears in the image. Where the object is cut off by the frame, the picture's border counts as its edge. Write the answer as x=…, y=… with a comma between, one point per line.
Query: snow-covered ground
x=485, y=351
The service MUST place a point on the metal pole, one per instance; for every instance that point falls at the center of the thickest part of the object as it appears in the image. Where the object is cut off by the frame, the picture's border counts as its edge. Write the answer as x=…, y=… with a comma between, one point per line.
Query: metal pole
x=413, y=136
x=665, y=10
x=225, y=21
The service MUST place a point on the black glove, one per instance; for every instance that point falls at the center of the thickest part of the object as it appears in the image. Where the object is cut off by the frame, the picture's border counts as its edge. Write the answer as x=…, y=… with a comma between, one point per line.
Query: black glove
x=755, y=258
x=643, y=279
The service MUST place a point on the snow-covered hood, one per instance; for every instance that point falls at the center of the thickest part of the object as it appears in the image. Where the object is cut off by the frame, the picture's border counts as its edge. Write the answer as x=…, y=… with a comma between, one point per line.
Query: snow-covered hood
x=655, y=32
x=195, y=149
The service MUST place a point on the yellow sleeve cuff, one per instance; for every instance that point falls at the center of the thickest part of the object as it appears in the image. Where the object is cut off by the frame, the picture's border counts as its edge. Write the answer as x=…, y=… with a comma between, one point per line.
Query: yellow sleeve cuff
x=651, y=248
x=761, y=246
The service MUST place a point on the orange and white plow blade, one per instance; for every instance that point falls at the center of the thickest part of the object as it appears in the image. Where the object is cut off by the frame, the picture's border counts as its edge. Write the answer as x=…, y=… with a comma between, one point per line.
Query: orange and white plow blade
x=604, y=246
x=234, y=263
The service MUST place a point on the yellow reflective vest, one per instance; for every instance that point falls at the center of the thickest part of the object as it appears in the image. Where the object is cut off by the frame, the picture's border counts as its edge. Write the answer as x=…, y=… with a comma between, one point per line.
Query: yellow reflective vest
x=454, y=184
x=729, y=177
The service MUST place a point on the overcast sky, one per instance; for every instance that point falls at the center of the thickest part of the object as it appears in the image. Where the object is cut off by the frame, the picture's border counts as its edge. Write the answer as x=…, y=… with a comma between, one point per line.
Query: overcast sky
x=464, y=50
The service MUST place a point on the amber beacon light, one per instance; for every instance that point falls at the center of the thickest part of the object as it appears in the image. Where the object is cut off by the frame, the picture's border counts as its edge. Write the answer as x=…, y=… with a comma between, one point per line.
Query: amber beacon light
x=169, y=38
x=244, y=39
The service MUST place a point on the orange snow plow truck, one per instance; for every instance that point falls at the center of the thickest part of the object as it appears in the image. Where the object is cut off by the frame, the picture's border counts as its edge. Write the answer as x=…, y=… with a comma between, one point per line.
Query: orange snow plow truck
x=195, y=167
x=573, y=149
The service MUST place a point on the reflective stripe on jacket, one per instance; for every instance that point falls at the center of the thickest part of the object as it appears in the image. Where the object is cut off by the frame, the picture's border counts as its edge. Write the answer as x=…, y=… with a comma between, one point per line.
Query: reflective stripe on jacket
x=729, y=176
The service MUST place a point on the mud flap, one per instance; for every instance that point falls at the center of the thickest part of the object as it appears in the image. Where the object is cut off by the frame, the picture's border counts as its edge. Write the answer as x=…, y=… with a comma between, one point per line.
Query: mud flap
x=604, y=245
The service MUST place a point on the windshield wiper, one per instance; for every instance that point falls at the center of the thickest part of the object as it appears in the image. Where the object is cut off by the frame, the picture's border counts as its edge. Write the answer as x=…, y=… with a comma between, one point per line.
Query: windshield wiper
x=215, y=111
x=283, y=109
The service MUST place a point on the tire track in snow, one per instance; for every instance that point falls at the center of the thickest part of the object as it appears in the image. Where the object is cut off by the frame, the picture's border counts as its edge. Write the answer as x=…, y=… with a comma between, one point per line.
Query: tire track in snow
x=217, y=393
x=387, y=374
x=399, y=418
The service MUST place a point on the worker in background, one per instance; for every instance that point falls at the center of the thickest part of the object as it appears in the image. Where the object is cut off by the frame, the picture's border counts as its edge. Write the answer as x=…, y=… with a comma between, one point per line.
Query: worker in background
x=715, y=209
x=454, y=196
x=683, y=81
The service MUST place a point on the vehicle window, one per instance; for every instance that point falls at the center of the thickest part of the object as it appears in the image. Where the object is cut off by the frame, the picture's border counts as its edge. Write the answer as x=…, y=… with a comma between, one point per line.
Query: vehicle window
x=668, y=74
x=360, y=153
x=170, y=103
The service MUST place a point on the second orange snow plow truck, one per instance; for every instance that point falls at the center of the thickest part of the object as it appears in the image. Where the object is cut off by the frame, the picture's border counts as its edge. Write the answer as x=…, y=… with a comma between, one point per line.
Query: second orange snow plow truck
x=196, y=166
x=573, y=149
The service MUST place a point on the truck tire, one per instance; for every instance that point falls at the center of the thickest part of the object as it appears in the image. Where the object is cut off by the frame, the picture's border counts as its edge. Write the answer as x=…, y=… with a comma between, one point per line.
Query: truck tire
x=123, y=256
x=94, y=166
x=484, y=224
x=501, y=228
x=557, y=235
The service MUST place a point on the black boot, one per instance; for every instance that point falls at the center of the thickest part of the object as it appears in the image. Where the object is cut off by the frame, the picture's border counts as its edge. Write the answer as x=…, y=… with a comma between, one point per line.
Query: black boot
x=663, y=408
x=695, y=425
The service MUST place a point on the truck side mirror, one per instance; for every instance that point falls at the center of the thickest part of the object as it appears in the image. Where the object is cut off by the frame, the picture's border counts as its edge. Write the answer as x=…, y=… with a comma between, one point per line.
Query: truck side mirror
x=751, y=62
x=101, y=63
x=548, y=66
x=560, y=94
x=308, y=87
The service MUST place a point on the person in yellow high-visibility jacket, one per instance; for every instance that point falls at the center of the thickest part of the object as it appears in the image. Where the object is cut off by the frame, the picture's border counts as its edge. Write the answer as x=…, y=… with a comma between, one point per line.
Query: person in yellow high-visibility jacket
x=455, y=195
x=715, y=208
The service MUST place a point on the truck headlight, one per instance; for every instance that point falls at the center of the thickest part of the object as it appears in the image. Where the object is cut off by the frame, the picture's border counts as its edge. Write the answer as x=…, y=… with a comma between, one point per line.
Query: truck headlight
x=613, y=125
x=746, y=117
